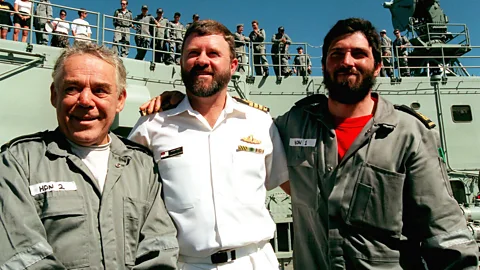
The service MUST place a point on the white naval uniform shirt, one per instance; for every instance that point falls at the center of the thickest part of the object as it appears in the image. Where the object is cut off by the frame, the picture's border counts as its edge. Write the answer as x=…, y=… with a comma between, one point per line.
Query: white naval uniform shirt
x=214, y=193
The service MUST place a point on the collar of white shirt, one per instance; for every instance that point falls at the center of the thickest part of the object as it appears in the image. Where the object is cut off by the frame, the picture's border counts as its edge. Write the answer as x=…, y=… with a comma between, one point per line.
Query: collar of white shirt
x=231, y=105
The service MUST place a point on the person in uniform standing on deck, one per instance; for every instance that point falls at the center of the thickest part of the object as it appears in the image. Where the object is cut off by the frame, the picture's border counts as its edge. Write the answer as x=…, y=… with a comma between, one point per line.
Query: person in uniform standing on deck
x=160, y=35
x=217, y=156
x=177, y=30
x=260, y=62
x=122, y=22
x=386, y=54
x=240, y=43
x=195, y=18
x=143, y=23
x=43, y=9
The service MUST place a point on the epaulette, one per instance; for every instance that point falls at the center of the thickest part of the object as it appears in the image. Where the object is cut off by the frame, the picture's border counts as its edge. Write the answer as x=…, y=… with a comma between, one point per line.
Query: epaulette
x=252, y=104
x=312, y=99
x=24, y=138
x=135, y=146
x=425, y=120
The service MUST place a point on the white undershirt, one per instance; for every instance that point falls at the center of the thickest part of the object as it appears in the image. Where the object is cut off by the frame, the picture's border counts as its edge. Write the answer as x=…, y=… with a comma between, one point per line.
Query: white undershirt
x=24, y=6
x=96, y=159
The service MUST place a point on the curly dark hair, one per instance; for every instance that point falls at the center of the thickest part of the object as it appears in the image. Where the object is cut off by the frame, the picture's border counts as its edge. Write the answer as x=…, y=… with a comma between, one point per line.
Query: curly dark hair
x=350, y=26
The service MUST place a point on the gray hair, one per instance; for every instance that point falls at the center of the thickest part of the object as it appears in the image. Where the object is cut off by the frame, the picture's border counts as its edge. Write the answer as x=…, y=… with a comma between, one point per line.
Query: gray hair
x=102, y=52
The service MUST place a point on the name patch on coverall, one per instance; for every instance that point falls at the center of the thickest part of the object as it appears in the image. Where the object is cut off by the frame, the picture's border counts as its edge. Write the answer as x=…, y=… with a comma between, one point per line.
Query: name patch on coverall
x=298, y=142
x=52, y=186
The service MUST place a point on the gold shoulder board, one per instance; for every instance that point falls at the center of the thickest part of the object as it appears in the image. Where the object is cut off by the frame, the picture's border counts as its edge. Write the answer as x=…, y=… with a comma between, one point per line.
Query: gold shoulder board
x=252, y=104
x=425, y=120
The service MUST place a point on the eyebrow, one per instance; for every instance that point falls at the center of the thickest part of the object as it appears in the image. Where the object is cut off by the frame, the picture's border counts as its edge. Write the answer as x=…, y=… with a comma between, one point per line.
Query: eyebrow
x=78, y=82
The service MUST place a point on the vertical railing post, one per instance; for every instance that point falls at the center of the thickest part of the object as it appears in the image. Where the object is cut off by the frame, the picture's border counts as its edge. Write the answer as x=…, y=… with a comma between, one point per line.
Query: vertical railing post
x=31, y=23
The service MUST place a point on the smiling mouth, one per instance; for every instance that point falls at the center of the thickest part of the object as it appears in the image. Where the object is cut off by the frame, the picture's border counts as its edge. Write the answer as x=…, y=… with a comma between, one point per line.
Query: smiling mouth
x=84, y=119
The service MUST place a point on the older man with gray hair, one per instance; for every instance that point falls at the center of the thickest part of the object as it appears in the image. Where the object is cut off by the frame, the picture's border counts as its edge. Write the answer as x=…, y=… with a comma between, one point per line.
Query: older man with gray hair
x=79, y=196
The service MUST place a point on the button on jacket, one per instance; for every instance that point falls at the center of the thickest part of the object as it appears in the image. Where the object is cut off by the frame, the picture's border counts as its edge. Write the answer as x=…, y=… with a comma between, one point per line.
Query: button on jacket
x=53, y=215
x=215, y=179
x=385, y=204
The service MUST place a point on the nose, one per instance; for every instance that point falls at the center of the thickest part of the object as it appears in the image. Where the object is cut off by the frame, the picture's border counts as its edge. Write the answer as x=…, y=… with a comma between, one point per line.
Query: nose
x=85, y=98
x=348, y=60
x=202, y=60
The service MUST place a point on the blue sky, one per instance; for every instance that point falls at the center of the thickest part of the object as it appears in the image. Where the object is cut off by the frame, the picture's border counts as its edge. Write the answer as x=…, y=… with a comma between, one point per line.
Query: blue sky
x=304, y=21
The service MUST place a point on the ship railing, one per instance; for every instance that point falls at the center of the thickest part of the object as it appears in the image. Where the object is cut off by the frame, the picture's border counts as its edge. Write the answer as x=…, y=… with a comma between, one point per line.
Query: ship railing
x=32, y=15
x=172, y=54
x=450, y=32
x=267, y=53
x=442, y=63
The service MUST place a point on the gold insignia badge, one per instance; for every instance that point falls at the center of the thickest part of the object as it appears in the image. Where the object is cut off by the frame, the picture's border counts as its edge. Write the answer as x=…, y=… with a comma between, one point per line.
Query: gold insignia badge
x=251, y=139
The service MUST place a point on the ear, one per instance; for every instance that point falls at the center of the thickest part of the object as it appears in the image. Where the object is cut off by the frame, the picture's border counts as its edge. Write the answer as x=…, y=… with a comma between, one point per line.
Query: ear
x=323, y=68
x=53, y=95
x=377, y=69
x=121, y=101
x=233, y=65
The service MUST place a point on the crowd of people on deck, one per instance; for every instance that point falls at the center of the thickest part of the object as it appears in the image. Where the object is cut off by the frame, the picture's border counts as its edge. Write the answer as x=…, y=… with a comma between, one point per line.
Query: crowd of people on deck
x=166, y=37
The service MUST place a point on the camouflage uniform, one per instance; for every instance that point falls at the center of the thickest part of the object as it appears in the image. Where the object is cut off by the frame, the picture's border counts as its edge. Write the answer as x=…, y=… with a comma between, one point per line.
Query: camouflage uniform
x=387, y=204
x=45, y=10
x=240, y=42
x=259, y=58
x=386, y=56
x=161, y=33
x=144, y=26
x=402, y=55
x=177, y=31
x=302, y=62
x=280, y=53
x=123, y=36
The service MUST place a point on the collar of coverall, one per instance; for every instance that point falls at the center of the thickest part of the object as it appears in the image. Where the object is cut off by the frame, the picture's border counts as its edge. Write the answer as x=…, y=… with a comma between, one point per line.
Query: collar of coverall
x=58, y=145
x=317, y=105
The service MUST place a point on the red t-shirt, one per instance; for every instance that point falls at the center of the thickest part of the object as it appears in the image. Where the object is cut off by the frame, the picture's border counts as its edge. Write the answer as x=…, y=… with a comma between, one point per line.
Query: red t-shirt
x=347, y=130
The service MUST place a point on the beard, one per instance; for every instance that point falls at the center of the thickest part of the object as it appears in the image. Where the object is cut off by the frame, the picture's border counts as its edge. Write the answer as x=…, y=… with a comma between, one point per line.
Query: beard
x=199, y=87
x=345, y=92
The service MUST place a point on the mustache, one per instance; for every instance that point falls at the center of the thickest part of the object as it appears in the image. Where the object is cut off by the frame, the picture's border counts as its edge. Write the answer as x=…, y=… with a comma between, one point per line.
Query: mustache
x=345, y=70
x=199, y=69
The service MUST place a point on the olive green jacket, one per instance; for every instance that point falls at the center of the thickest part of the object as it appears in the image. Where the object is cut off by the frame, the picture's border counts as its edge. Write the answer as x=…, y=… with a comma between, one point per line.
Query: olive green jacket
x=53, y=215
x=386, y=205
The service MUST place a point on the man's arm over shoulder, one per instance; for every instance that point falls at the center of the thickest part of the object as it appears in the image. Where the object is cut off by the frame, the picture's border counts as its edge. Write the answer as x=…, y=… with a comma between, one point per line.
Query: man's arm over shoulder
x=158, y=248
x=277, y=174
x=431, y=214
x=23, y=238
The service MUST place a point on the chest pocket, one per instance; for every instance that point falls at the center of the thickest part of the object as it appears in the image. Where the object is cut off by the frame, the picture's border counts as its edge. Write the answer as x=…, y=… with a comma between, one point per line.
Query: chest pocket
x=304, y=176
x=134, y=213
x=377, y=200
x=64, y=219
